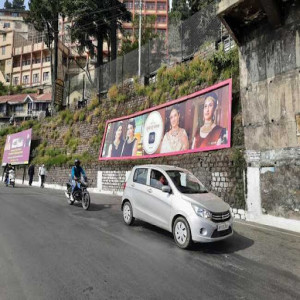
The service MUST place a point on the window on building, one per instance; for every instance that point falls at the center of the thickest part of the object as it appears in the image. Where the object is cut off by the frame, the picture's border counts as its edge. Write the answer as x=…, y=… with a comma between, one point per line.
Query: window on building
x=19, y=108
x=4, y=37
x=16, y=80
x=26, y=62
x=128, y=32
x=37, y=60
x=150, y=5
x=26, y=79
x=3, y=50
x=46, y=76
x=161, y=19
x=161, y=6
x=35, y=78
x=137, y=4
x=129, y=5
x=15, y=14
x=46, y=59
x=6, y=25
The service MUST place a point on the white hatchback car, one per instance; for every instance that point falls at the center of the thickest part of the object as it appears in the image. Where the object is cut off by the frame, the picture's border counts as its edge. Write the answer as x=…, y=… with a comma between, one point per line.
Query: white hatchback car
x=175, y=200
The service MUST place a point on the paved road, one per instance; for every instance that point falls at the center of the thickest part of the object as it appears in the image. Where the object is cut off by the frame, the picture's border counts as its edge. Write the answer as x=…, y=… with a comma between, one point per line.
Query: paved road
x=50, y=250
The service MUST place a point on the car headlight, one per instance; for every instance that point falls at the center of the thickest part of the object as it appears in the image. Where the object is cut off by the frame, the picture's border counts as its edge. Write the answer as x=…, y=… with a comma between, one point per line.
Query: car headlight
x=202, y=212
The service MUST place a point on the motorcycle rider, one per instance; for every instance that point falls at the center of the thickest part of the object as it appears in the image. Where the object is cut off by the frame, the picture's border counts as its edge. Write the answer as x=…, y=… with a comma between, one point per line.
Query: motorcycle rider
x=76, y=173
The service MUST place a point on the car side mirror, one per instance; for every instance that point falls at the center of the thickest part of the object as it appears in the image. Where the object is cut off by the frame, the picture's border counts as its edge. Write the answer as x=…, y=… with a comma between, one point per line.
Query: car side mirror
x=166, y=189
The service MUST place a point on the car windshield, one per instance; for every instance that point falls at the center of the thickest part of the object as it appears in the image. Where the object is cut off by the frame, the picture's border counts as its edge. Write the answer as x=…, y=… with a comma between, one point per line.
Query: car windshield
x=186, y=182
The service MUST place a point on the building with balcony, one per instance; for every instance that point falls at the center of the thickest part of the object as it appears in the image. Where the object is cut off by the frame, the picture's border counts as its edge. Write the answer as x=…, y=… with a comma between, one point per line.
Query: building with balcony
x=157, y=8
x=27, y=62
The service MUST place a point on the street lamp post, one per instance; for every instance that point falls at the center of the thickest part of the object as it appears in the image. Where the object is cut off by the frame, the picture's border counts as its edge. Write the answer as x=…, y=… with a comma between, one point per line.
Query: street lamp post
x=140, y=39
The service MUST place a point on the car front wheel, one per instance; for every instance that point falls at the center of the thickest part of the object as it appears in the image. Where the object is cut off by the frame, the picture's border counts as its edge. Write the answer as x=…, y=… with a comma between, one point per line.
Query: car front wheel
x=128, y=214
x=182, y=233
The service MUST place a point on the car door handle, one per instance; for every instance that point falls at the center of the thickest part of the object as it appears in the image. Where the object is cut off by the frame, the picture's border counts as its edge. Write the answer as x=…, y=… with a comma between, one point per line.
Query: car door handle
x=149, y=190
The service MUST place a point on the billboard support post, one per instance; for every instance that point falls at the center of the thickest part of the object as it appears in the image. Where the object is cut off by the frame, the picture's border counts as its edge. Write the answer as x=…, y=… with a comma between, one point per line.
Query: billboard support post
x=24, y=169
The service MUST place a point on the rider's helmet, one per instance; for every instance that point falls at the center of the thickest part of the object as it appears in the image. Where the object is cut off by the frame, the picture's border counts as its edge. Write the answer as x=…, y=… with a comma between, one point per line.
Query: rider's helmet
x=77, y=162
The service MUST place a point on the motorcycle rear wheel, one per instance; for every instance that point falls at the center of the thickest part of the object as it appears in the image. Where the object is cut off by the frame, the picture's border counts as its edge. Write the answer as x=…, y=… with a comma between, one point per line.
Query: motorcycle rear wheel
x=86, y=201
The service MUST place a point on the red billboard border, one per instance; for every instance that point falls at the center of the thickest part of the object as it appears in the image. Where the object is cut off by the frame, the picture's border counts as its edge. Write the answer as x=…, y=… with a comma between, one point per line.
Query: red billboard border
x=199, y=93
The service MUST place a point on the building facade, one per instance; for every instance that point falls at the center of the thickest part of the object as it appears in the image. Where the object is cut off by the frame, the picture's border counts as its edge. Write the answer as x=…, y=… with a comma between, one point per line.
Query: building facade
x=267, y=33
x=23, y=106
x=157, y=8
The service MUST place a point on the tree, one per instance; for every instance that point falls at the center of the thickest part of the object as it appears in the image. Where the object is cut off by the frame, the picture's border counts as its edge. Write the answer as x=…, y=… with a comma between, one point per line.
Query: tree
x=197, y=5
x=180, y=10
x=96, y=20
x=44, y=16
x=7, y=4
x=18, y=4
x=130, y=43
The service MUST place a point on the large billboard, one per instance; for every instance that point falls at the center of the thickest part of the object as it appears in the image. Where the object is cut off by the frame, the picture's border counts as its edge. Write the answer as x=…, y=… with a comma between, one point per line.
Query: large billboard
x=17, y=148
x=197, y=122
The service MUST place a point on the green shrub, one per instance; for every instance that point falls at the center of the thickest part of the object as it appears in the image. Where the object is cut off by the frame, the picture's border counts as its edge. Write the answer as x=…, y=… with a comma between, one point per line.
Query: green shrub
x=89, y=119
x=113, y=92
x=82, y=116
x=97, y=112
x=93, y=104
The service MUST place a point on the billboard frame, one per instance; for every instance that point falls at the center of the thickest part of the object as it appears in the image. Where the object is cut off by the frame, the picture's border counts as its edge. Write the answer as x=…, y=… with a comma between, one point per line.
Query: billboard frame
x=170, y=103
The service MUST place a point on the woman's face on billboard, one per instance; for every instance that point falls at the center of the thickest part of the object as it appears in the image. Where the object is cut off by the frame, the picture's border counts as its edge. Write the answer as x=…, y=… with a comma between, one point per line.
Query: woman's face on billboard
x=118, y=132
x=174, y=118
x=209, y=109
x=130, y=130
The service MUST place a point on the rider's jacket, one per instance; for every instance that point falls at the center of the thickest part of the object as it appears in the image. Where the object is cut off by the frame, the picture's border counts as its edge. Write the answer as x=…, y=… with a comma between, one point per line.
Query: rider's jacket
x=77, y=172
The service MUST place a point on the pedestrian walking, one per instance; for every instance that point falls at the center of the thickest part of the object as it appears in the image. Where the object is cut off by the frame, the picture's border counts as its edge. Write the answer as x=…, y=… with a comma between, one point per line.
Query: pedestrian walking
x=31, y=174
x=42, y=174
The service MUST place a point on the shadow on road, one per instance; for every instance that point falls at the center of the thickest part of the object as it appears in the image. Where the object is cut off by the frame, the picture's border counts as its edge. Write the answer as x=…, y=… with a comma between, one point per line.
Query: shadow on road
x=233, y=244
x=98, y=207
x=93, y=206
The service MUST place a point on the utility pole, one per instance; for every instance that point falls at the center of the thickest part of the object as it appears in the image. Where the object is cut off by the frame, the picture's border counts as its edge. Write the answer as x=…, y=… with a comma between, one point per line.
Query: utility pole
x=140, y=39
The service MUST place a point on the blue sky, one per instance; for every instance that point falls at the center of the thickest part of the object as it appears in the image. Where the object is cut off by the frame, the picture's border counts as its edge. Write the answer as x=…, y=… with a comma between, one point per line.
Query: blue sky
x=2, y=3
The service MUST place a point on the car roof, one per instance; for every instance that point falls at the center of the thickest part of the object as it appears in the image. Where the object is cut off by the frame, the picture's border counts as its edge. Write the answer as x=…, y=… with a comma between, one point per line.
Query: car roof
x=163, y=167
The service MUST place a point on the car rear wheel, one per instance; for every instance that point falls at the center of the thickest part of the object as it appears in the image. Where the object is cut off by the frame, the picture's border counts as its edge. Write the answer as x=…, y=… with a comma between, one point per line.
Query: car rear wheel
x=182, y=233
x=128, y=214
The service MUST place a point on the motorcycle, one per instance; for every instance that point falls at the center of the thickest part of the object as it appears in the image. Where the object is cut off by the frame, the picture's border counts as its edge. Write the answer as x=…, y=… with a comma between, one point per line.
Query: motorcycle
x=80, y=194
x=10, y=179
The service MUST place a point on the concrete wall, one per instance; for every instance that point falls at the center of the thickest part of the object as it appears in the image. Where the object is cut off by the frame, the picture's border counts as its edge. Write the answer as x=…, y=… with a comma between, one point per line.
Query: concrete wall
x=270, y=95
x=217, y=170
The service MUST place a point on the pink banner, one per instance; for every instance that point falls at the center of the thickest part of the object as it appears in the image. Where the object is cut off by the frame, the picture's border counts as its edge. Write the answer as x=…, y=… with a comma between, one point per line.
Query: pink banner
x=17, y=148
x=197, y=122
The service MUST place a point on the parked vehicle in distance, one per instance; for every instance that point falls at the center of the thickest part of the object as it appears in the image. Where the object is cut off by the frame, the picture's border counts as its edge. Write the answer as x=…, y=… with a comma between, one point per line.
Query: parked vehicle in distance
x=175, y=200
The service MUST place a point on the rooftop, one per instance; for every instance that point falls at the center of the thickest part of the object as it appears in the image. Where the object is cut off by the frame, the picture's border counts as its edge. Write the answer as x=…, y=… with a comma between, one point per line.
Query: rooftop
x=22, y=98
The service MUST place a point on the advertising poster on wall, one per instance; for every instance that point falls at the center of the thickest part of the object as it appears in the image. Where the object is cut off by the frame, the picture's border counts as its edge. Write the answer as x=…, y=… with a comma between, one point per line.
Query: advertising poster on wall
x=197, y=122
x=17, y=148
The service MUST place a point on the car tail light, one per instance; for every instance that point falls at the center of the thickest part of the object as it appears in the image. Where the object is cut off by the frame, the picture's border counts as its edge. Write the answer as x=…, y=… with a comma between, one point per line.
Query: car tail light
x=124, y=185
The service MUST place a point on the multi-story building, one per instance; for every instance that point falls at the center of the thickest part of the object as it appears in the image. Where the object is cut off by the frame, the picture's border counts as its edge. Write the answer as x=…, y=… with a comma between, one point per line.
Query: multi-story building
x=28, y=62
x=157, y=8
x=13, y=19
x=24, y=56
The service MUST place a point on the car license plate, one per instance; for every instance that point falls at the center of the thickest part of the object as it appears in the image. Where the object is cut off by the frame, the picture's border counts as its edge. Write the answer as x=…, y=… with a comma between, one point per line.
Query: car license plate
x=223, y=226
